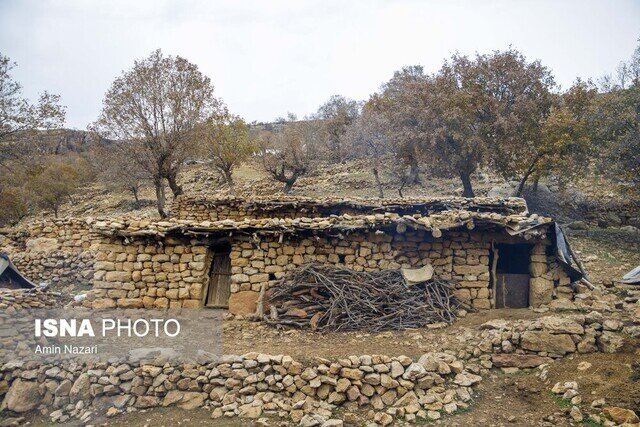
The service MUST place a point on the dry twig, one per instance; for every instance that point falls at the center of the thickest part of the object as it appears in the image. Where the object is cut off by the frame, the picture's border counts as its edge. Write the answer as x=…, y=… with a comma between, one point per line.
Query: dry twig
x=331, y=298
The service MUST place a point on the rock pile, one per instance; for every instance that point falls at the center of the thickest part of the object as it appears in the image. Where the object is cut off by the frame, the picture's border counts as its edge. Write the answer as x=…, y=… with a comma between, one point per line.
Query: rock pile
x=599, y=413
x=13, y=300
x=247, y=386
x=53, y=251
x=550, y=337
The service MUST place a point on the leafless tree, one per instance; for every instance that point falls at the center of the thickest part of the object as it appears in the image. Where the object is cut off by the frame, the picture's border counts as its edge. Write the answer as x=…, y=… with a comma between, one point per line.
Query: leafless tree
x=335, y=116
x=367, y=138
x=284, y=153
x=18, y=116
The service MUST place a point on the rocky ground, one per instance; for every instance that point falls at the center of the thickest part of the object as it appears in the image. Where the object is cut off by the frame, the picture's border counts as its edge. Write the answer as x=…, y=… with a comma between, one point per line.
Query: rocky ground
x=572, y=390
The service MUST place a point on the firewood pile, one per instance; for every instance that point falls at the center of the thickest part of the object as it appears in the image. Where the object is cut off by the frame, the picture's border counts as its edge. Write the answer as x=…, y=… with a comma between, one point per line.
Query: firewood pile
x=331, y=298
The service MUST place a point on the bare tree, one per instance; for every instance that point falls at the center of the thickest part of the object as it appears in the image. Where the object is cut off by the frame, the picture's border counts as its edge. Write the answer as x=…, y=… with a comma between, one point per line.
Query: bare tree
x=119, y=171
x=400, y=104
x=18, y=116
x=367, y=138
x=284, y=153
x=335, y=116
x=152, y=111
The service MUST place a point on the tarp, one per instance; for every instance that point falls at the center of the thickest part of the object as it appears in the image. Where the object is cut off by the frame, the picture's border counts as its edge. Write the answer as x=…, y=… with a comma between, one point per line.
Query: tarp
x=564, y=255
x=632, y=277
x=10, y=277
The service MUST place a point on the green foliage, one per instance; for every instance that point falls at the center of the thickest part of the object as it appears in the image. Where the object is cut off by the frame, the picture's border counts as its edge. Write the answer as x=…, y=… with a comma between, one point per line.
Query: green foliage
x=614, y=123
x=561, y=402
x=590, y=422
x=227, y=144
x=55, y=180
x=13, y=205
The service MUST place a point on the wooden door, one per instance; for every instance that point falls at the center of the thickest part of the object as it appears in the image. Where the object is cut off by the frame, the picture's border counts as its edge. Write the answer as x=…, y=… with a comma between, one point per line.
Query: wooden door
x=512, y=290
x=219, y=281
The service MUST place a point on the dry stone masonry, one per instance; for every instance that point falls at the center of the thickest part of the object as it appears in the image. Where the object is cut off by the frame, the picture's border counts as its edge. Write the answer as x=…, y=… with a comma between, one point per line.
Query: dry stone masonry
x=167, y=263
x=247, y=386
x=58, y=252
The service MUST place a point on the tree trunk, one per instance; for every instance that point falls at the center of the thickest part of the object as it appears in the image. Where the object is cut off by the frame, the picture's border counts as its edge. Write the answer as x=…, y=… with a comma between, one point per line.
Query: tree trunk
x=536, y=182
x=376, y=175
x=467, y=188
x=229, y=179
x=414, y=173
x=530, y=170
x=173, y=184
x=160, y=197
x=288, y=185
x=134, y=191
x=402, y=184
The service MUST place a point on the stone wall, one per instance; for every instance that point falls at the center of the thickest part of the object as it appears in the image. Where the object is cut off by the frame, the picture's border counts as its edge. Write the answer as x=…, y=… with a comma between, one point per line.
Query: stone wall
x=174, y=273
x=462, y=257
x=248, y=386
x=59, y=252
x=196, y=208
x=149, y=275
x=199, y=209
x=548, y=278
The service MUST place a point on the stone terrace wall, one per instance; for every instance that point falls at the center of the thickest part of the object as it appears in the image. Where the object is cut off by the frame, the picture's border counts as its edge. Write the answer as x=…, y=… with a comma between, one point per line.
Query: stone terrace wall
x=203, y=209
x=247, y=386
x=196, y=209
x=57, y=251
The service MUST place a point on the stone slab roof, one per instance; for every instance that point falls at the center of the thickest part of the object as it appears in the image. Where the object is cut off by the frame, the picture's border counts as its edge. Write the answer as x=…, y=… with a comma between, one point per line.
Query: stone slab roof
x=456, y=218
x=505, y=206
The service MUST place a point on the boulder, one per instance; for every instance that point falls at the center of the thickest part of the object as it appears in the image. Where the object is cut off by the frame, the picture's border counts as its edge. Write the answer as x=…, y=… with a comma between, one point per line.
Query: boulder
x=560, y=325
x=81, y=388
x=249, y=411
x=610, y=342
x=243, y=302
x=466, y=379
x=519, y=360
x=23, y=396
x=42, y=245
x=548, y=342
x=103, y=303
x=620, y=415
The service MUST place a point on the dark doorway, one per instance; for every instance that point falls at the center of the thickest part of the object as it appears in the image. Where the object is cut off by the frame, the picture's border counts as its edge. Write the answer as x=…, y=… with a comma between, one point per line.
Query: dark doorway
x=219, y=288
x=512, y=275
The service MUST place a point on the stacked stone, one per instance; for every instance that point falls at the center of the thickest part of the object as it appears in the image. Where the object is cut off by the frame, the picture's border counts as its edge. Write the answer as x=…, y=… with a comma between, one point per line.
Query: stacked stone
x=12, y=300
x=54, y=251
x=548, y=278
x=550, y=337
x=148, y=275
x=205, y=209
x=459, y=256
x=246, y=386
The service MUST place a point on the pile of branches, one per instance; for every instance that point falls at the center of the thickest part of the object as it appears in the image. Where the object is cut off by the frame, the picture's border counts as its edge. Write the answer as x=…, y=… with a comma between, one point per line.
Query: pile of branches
x=331, y=298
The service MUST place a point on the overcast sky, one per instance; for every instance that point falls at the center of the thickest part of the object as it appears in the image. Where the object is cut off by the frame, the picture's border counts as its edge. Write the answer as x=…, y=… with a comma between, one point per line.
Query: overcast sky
x=268, y=57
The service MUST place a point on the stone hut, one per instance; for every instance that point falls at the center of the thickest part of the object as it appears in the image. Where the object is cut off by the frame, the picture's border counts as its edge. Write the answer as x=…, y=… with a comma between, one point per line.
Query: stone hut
x=224, y=252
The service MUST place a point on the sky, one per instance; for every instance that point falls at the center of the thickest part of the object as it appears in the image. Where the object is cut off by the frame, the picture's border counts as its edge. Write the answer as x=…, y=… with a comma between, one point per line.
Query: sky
x=269, y=57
